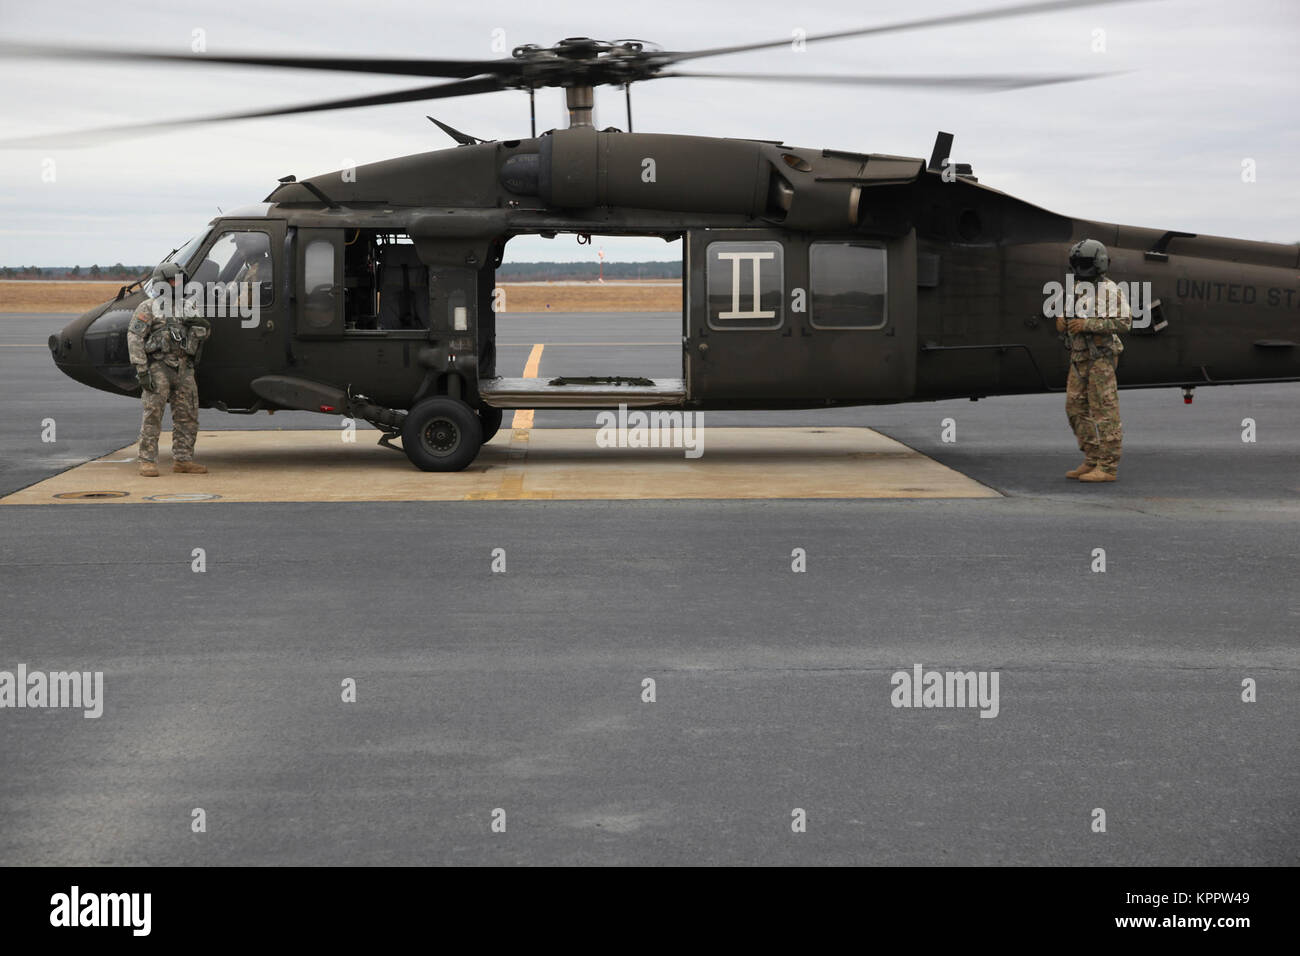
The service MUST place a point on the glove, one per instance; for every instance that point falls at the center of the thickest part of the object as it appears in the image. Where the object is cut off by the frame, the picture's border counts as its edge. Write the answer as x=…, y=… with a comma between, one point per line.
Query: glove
x=198, y=322
x=144, y=378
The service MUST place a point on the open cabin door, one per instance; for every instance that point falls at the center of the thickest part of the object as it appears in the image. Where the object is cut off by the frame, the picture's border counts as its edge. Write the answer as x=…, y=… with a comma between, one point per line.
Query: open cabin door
x=781, y=321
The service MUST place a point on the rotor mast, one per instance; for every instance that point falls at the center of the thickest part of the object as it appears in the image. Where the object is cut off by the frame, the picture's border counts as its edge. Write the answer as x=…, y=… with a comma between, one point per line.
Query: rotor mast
x=581, y=101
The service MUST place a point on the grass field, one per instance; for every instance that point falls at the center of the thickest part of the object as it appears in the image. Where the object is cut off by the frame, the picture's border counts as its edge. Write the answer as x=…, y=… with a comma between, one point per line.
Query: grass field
x=612, y=296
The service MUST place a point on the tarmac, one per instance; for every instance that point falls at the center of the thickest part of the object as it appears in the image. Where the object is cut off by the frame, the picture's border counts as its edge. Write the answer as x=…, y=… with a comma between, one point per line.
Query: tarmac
x=518, y=464
x=627, y=656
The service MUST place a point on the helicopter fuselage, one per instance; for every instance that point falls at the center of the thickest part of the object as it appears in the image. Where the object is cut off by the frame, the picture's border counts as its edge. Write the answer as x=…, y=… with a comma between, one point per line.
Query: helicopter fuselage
x=810, y=278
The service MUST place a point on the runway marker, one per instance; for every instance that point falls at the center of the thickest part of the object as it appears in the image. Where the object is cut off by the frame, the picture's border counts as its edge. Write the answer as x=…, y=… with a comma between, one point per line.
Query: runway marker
x=524, y=416
x=512, y=479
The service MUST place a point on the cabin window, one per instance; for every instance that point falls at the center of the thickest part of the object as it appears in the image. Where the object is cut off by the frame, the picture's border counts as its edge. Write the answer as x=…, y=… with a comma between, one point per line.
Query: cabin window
x=318, y=283
x=746, y=283
x=848, y=285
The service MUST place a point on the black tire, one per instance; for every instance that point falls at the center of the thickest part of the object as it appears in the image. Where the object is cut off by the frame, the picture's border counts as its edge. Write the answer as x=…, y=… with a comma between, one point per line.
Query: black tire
x=441, y=434
x=490, y=419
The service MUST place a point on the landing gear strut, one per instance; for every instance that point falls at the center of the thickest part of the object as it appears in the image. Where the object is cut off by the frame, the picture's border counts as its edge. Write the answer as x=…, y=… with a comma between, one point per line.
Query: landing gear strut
x=490, y=419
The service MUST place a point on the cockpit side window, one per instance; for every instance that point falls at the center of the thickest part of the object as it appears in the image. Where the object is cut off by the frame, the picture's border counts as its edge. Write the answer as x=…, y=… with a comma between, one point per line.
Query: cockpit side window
x=241, y=261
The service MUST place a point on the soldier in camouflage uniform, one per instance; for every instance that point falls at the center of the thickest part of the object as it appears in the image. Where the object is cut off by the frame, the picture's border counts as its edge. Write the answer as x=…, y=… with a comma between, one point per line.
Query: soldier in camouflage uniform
x=164, y=344
x=1091, y=394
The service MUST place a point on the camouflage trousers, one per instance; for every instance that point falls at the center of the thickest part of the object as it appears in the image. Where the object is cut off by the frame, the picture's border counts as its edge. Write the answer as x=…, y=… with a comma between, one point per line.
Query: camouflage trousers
x=1092, y=405
x=176, y=386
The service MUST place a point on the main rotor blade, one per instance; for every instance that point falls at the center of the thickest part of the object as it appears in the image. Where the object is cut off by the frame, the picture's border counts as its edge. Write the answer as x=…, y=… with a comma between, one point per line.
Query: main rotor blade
x=459, y=69
x=974, y=16
x=981, y=83
x=95, y=137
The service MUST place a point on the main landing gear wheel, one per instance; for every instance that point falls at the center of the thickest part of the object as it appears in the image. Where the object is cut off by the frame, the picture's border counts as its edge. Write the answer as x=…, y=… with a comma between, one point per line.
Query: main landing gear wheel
x=490, y=418
x=441, y=434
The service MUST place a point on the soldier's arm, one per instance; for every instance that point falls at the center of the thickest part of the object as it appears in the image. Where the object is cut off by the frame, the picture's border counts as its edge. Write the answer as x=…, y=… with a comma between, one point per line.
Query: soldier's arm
x=136, y=330
x=1113, y=314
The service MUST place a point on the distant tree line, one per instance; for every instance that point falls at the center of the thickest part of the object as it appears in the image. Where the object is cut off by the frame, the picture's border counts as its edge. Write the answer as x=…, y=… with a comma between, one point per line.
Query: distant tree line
x=114, y=273
x=519, y=271
x=570, y=271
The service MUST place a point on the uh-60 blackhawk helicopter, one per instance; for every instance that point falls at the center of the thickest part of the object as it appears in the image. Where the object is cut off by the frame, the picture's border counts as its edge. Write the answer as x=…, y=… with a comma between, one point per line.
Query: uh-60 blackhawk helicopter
x=812, y=277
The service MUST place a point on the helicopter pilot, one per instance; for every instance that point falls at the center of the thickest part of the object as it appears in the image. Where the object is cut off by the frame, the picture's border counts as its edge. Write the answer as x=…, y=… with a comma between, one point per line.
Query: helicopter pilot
x=252, y=250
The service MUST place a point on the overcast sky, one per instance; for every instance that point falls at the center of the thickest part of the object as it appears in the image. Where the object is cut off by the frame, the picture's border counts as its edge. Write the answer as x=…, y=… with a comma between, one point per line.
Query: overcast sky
x=1207, y=85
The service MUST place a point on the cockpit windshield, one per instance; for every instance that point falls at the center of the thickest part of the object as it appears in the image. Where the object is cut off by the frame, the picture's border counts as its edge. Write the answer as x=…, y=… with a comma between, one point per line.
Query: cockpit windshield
x=181, y=257
x=185, y=253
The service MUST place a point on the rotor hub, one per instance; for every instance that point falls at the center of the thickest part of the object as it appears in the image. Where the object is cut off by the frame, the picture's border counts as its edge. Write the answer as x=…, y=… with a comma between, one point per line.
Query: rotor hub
x=586, y=62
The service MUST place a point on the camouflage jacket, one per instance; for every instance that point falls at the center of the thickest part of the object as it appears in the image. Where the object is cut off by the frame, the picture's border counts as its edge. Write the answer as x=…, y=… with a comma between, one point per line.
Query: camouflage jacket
x=1105, y=312
x=154, y=334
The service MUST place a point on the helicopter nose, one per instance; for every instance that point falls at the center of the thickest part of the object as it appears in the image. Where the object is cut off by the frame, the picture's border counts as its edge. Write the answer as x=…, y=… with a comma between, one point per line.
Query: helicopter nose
x=68, y=349
x=86, y=350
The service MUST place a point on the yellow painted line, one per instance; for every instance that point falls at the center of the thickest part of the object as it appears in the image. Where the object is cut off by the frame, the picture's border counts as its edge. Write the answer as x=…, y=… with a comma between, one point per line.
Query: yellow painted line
x=524, y=416
x=512, y=476
x=534, y=361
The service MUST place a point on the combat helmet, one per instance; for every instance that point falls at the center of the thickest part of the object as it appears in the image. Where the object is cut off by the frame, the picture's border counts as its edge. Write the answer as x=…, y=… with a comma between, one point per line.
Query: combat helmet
x=166, y=271
x=250, y=244
x=163, y=273
x=1089, y=259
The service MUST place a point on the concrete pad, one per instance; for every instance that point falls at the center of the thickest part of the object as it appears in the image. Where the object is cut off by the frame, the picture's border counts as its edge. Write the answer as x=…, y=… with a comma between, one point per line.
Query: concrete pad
x=521, y=464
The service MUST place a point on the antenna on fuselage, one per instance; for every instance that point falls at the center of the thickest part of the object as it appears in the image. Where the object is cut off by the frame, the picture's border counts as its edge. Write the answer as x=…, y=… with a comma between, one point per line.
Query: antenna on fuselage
x=462, y=139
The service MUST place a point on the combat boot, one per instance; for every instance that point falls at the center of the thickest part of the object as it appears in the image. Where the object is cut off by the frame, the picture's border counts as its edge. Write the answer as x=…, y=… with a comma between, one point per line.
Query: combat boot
x=1083, y=469
x=148, y=469
x=189, y=468
x=1099, y=474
